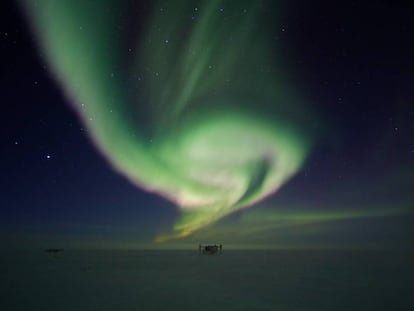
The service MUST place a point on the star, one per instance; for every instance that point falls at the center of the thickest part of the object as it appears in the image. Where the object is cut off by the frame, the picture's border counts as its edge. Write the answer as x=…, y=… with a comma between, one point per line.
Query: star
x=48, y=156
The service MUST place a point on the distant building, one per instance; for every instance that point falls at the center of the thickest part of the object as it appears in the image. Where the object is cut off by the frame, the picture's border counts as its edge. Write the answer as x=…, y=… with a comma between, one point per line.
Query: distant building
x=210, y=249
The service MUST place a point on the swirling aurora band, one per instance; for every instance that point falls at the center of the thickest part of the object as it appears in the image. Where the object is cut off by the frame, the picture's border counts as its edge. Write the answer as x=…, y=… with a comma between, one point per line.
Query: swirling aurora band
x=192, y=107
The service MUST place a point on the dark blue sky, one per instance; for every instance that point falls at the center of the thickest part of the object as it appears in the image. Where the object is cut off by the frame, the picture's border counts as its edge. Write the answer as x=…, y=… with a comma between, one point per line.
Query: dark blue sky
x=353, y=60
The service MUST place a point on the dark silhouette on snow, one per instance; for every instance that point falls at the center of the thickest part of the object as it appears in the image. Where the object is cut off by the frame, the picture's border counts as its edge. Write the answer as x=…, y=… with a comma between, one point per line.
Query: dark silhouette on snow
x=210, y=249
x=54, y=250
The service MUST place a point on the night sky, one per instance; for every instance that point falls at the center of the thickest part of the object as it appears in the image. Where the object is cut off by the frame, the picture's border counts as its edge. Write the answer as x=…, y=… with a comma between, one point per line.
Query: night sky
x=274, y=124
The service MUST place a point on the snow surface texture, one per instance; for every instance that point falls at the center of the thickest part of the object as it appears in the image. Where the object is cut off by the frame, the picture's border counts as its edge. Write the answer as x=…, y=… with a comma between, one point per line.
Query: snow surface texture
x=185, y=280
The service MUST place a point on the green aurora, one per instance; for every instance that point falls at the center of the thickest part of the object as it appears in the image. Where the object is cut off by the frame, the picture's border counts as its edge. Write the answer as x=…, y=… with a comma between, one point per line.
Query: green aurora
x=192, y=102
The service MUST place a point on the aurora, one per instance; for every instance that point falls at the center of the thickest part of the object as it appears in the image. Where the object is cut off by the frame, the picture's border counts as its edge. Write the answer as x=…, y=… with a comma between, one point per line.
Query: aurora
x=189, y=101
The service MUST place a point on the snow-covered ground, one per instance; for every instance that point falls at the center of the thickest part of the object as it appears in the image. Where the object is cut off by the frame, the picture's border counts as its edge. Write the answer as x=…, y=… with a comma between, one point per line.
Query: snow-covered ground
x=185, y=280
